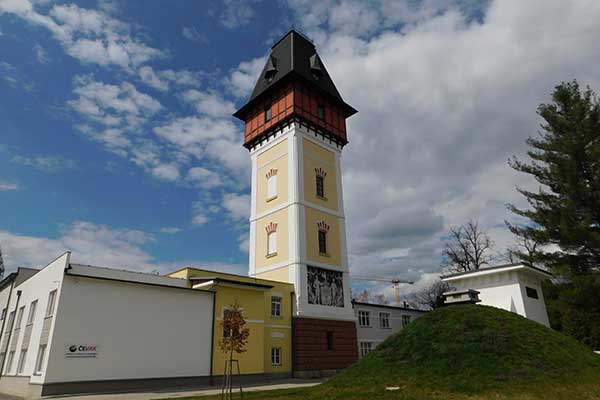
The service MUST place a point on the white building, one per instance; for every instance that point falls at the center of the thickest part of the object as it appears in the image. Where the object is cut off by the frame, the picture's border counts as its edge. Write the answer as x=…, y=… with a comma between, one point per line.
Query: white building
x=376, y=322
x=513, y=287
x=70, y=328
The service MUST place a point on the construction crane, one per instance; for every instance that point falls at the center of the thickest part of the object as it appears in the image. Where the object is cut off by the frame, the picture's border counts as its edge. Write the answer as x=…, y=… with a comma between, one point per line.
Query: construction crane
x=395, y=283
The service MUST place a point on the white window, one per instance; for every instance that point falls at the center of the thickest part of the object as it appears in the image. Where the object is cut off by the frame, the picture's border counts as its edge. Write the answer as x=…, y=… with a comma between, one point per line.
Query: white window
x=384, y=320
x=51, y=301
x=405, y=320
x=365, y=348
x=272, y=244
x=11, y=318
x=276, y=306
x=364, y=318
x=32, y=309
x=271, y=187
x=11, y=357
x=20, y=317
x=39, y=363
x=276, y=355
x=21, y=363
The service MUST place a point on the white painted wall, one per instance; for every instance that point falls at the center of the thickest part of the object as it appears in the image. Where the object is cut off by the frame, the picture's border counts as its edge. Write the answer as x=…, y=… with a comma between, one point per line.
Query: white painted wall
x=142, y=331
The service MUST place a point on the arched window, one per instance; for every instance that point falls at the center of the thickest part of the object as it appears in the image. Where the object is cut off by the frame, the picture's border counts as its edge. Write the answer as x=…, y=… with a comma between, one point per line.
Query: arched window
x=271, y=239
x=323, y=229
x=320, y=175
x=271, y=184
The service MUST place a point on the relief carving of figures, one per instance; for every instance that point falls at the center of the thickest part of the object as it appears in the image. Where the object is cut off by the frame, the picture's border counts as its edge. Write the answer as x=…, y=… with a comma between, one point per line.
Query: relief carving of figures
x=325, y=287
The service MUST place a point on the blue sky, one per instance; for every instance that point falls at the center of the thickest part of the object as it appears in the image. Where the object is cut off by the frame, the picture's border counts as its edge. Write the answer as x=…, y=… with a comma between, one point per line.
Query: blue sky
x=117, y=141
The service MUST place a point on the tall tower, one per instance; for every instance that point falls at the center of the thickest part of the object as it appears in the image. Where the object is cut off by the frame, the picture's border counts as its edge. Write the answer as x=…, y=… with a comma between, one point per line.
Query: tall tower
x=295, y=129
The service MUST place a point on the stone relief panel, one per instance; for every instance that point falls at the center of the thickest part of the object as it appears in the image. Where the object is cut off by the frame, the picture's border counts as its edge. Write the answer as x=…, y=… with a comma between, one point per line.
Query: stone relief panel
x=325, y=287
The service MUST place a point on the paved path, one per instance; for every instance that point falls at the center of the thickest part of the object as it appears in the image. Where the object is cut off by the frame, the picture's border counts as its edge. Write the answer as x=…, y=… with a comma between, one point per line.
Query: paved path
x=293, y=383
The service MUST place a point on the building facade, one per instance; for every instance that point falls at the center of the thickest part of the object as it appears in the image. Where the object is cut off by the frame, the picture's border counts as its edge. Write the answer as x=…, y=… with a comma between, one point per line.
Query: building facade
x=377, y=322
x=295, y=130
x=513, y=287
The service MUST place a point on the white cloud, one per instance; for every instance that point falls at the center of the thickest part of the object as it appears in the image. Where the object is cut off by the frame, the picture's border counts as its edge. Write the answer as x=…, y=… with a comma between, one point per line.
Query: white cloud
x=4, y=185
x=237, y=206
x=209, y=104
x=192, y=33
x=236, y=13
x=203, y=178
x=199, y=219
x=444, y=100
x=90, y=36
x=162, y=80
x=170, y=230
x=242, y=79
x=166, y=172
x=149, y=77
x=51, y=164
x=41, y=54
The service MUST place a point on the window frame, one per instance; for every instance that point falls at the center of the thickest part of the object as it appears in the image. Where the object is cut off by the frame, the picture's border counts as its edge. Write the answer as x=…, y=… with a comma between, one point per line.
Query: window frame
x=21, y=362
x=40, y=358
x=272, y=244
x=406, y=319
x=276, y=359
x=19, y=319
x=271, y=187
x=32, y=312
x=532, y=293
x=384, y=316
x=330, y=339
x=10, y=359
x=276, y=303
x=364, y=318
x=268, y=113
x=365, y=347
x=321, y=111
x=11, y=321
x=320, y=186
x=51, y=305
x=322, y=242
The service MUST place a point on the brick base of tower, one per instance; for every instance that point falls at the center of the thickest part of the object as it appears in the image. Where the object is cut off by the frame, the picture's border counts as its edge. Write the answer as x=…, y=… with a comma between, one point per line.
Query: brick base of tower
x=314, y=355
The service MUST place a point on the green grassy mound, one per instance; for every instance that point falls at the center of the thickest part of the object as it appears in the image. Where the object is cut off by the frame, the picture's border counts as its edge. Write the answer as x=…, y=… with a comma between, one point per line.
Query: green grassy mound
x=465, y=352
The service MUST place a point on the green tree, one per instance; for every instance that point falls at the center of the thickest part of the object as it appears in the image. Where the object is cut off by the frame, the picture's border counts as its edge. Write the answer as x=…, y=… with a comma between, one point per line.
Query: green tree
x=564, y=212
x=565, y=161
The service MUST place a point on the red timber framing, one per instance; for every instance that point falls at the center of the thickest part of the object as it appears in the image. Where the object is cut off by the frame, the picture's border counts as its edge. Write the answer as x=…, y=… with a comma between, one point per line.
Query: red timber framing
x=296, y=99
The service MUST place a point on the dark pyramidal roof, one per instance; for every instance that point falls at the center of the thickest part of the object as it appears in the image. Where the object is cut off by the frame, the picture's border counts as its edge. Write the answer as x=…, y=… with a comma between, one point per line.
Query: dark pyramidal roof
x=294, y=55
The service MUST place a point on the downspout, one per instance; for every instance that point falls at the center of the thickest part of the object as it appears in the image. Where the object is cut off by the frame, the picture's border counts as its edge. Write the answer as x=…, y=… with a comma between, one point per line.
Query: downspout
x=292, y=358
x=12, y=284
x=10, y=331
x=212, y=336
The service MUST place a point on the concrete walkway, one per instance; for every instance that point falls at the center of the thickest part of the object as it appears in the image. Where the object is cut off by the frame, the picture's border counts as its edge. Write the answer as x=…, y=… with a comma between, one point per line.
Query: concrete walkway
x=289, y=384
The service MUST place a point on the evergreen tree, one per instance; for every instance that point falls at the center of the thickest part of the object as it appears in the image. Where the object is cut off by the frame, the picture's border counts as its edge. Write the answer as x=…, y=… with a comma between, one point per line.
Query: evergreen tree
x=565, y=160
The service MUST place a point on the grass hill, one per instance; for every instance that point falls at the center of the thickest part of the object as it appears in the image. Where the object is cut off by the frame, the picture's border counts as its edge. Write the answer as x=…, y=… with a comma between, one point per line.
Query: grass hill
x=466, y=352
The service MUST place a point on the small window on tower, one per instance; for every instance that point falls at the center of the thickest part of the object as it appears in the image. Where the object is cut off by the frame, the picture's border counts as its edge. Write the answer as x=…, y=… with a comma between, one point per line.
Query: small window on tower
x=320, y=186
x=268, y=114
x=321, y=111
x=322, y=242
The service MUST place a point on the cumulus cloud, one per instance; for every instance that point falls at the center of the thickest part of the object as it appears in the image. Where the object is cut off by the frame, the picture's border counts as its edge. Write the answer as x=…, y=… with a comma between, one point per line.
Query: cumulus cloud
x=237, y=206
x=447, y=93
x=162, y=80
x=242, y=79
x=5, y=185
x=192, y=33
x=236, y=13
x=50, y=164
x=210, y=104
x=203, y=178
x=166, y=172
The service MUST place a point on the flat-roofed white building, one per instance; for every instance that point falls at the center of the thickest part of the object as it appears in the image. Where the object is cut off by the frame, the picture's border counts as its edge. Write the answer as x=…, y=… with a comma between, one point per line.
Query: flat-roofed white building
x=376, y=322
x=513, y=287
x=71, y=328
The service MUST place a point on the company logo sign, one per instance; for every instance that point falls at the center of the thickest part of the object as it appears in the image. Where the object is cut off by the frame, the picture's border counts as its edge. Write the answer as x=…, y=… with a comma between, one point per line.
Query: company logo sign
x=81, y=351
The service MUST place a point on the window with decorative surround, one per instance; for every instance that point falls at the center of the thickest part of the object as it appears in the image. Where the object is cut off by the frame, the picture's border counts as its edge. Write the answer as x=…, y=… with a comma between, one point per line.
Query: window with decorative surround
x=405, y=320
x=275, y=356
x=275, y=306
x=271, y=184
x=271, y=239
x=320, y=175
x=364, y=318
x=323, y=229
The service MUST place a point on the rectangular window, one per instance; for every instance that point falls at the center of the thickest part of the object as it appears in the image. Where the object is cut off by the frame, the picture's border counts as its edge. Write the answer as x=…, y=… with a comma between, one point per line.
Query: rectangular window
x=31, y=315
x=11, y=319
x=364, y=318
x=2, y=355
x=39, y=362
x=365, y=348
x=320, y=186
x=531, y=292
x=21, y=363
x=322, y=242
x=275, y=356
x=271, y=187
x=275, y=306
x=321, y=111
x=272, y=244
x=3, y=314
x=11, y=357
x=384, y=320
x=267, y=114
x=405, y=320
x=329, y=341
x=20, y=317
x=51, y=301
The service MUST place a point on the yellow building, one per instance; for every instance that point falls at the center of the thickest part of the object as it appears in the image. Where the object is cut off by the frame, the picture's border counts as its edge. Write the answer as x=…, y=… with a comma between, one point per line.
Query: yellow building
x=267, y=308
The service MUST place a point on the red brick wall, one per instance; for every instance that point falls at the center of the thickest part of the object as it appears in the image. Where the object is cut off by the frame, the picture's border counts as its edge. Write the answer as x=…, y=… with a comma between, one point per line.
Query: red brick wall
x=309, y=341
x=300, y=100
